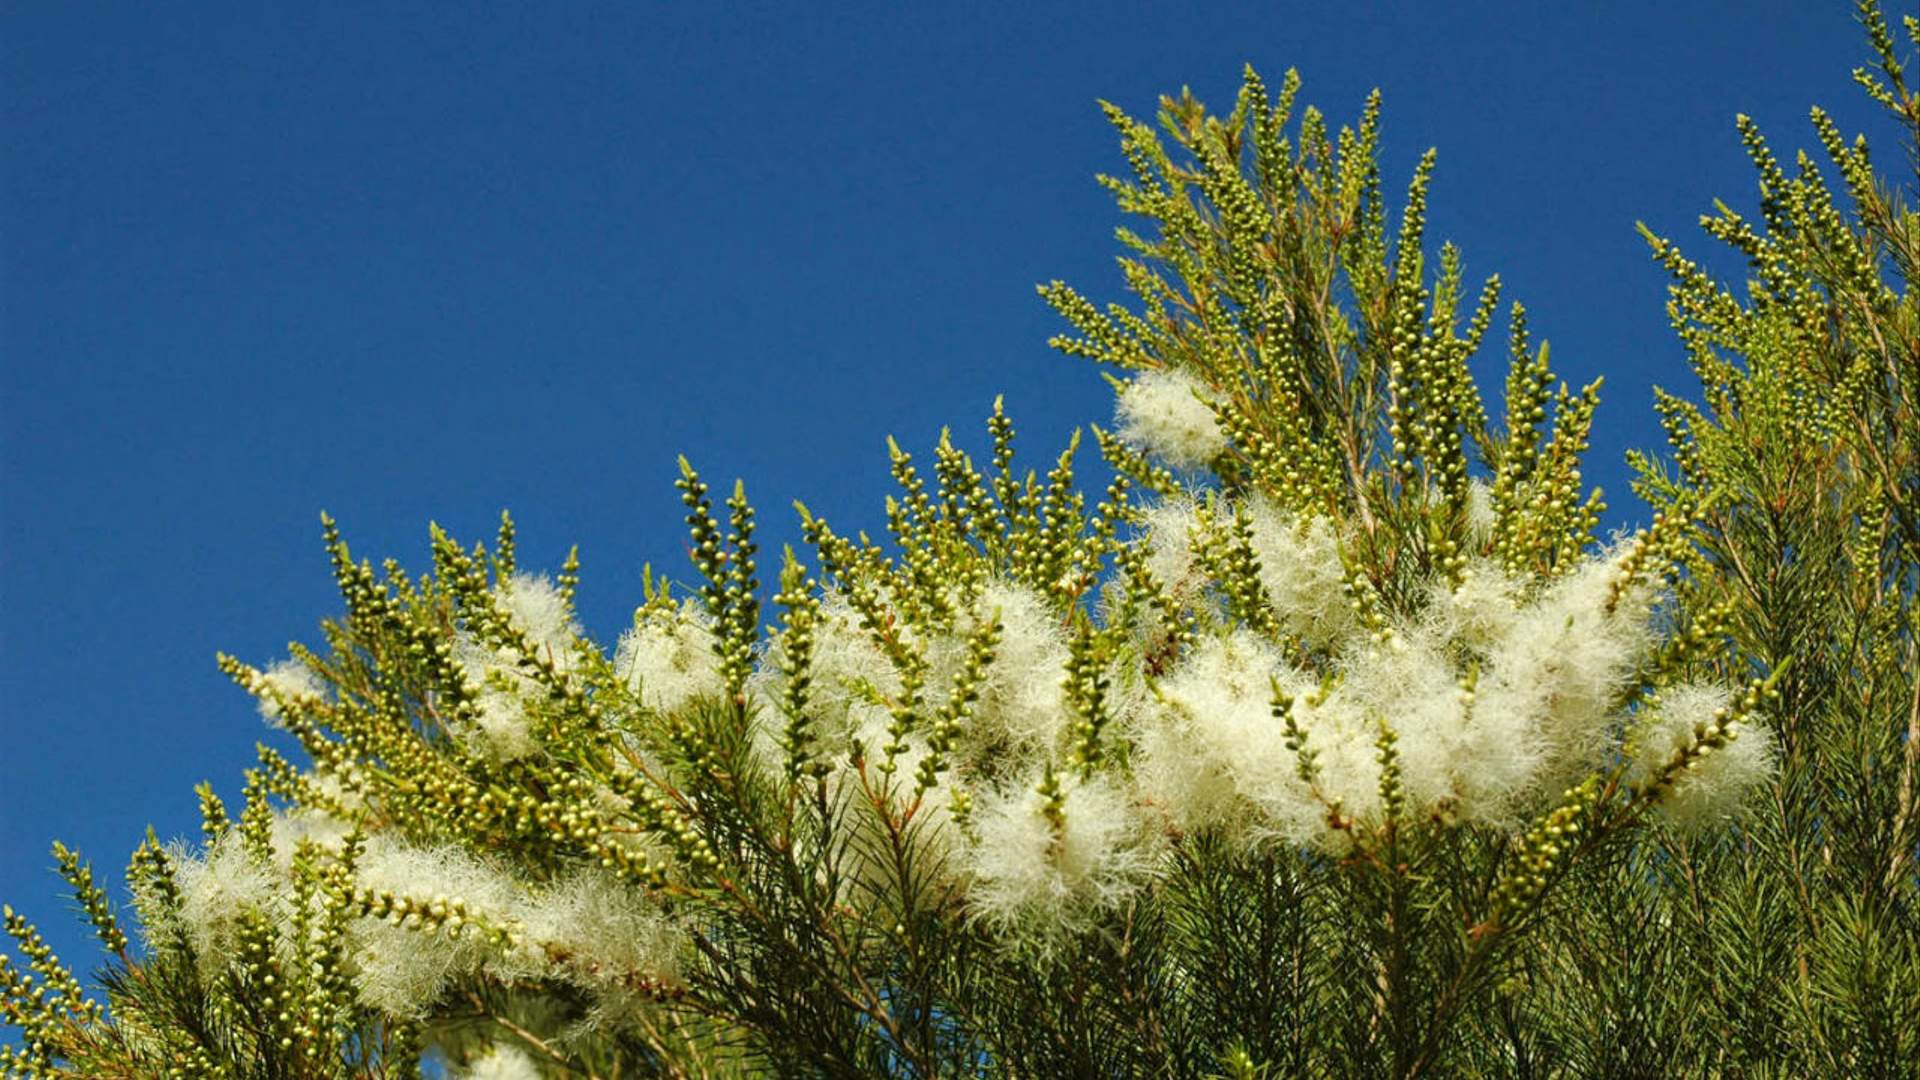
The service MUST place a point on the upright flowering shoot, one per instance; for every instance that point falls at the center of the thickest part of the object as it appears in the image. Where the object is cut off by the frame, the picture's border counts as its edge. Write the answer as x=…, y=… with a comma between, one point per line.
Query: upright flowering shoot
x=1349, y=551
x=1377, y=624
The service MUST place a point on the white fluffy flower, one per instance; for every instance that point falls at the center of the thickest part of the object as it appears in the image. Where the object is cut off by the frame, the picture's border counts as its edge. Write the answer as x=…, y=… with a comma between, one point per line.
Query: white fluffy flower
x=847, y=668
x=667, y=657
x=1299, y=556
x=1166, y=413
x=294, y=681
x=1167, y=537
x=588, y=928
x=1301, y=571
x=302, y=825
x=503, y=1062
x=402, y=970
x=1211, y=748
x=1496, y=695
x=1412, y=689
x=1713, y=788
x=1021, y=699
x=217, y=888
x=1564, y=660
x=499, y=725
x=1036, y=883
x=536, y=608
x=1480, y=515
x=1484, y=609
x=593, y=930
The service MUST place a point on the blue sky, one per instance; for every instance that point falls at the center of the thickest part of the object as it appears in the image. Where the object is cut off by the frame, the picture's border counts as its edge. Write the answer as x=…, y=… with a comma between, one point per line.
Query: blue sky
x=406, y=264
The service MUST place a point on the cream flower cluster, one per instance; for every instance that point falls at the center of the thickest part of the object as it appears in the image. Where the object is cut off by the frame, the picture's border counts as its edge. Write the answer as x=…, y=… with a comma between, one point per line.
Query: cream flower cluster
x=1486, y=697
x=535, y=607
x=1494, y=696
x=586, y=928
x=1169, y=415
x=987, y=819
x=667, y=656
x=503, y=1062
x=1497, y=694
x=287, y=680
x=1021, y=708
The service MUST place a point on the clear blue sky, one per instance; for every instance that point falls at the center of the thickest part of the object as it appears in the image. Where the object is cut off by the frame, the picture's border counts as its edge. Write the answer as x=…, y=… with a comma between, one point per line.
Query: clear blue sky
x=406, y=265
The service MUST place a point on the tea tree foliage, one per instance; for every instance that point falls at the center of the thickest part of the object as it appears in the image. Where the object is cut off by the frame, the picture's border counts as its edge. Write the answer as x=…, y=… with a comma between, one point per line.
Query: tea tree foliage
x=1797, y=932
x=1329, y=739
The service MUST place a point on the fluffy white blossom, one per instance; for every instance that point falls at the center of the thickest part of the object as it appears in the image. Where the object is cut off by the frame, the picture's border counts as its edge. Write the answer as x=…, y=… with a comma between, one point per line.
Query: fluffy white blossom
x=503, y=1062
x=1036, y=881
x=217, y=888
x=1496, y=694
x=1021, y=700
x=1167, y=537
x=1166, y=413
x=1210, y=749
x=593, y=929
x=536, y=608
x=1565, y=659
x=667, y=657
x=1714, y=786
x=1300, y=570
x=301, y=825
x=1480, y=515
x=588, y=928
x=341, y=791
x=499, y=727
x=849, y=676
x=293, y=681
x=1484, y=609
x=401, y=970
x=1299, y=555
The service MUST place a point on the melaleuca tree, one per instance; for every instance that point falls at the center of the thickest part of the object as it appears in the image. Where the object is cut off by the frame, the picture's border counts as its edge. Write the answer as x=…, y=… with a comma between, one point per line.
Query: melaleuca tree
x=1790, y=941
x=1328, y=740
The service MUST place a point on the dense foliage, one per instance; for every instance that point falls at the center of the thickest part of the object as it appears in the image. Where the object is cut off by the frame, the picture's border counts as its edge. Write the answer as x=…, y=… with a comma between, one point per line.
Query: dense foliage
x=1328, y=740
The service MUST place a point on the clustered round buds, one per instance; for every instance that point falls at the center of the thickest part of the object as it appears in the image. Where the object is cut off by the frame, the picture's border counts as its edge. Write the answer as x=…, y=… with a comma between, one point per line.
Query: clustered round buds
x=1695, y=751
x=1365, y=603
x=1541, y=850
x=447, y=915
